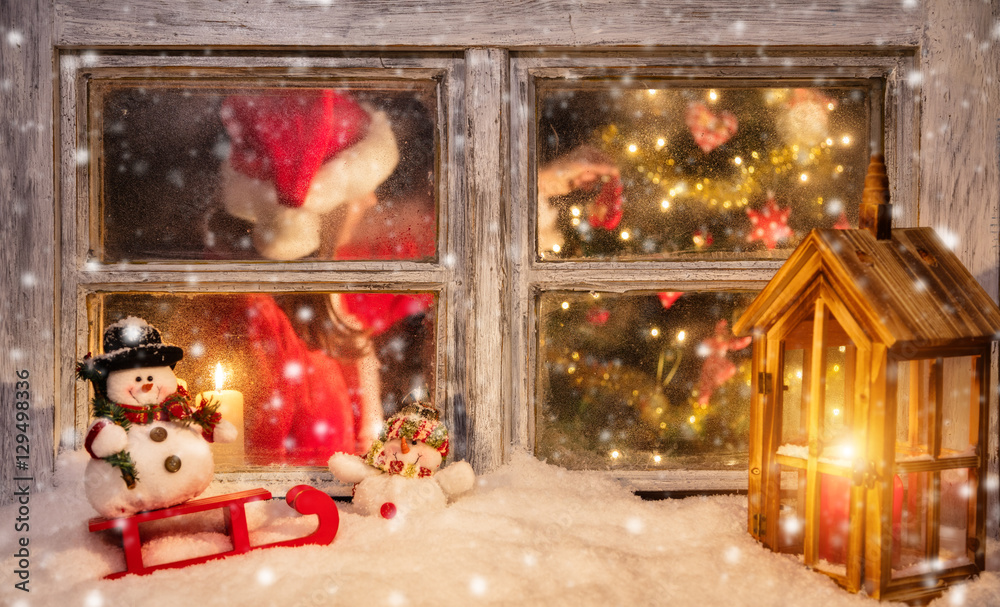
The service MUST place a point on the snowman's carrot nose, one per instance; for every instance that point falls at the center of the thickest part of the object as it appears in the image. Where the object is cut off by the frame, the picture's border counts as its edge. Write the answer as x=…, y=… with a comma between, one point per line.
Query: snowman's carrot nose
x=147, y=387
x=403, y=445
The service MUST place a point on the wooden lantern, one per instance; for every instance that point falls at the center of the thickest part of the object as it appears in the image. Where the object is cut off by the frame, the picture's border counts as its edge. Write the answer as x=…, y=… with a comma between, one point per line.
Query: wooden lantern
x=871, y=360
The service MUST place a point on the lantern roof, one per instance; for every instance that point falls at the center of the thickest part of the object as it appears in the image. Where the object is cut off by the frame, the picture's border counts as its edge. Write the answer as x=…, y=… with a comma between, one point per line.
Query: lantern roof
x=907, y=289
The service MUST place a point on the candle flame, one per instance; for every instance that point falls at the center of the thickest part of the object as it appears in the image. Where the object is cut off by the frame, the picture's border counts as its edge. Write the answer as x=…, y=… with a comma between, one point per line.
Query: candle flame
x=220, y=377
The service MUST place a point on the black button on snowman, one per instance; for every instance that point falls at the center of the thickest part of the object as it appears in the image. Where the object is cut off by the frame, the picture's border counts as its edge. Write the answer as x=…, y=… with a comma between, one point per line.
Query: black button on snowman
x=148, y=443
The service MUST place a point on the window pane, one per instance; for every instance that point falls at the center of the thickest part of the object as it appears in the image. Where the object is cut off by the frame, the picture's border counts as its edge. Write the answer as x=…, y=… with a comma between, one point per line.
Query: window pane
x=317, y=371
x=917, y=383
x=915, y=549
x=228, y=172
x=643, y=169
x=643, y=381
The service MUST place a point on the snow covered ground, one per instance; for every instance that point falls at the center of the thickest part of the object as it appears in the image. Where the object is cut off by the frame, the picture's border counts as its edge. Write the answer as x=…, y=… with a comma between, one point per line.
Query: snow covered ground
x=529, y=534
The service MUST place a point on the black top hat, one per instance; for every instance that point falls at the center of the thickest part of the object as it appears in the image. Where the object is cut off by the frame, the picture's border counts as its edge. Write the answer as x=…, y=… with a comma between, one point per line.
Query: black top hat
x=132, y=342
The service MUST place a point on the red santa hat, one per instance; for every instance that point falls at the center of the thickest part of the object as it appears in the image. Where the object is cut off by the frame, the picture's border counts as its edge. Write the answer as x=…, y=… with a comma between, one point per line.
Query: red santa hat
x=297, y=155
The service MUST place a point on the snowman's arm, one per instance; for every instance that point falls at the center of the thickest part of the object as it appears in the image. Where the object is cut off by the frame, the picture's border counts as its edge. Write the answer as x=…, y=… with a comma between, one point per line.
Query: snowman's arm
x=105, y=438
x=456, y=478
x=351, y=469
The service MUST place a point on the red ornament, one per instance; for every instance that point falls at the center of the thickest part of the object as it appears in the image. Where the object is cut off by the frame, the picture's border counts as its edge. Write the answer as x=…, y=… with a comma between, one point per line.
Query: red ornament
x=717, y=368
x=388, y=510
x=770, y=224
x=667, y=298
x=702, y=239
x=709, y=130
x=842, y=223
x=607, y=210
x=303, y=498
x=598, y=316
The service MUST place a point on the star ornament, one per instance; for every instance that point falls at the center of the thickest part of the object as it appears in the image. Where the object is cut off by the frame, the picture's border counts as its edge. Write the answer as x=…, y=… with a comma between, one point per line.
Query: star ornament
x=769, y=224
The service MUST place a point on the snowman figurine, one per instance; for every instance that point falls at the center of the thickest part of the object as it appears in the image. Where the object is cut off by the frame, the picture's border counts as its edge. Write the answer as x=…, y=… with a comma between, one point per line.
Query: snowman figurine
x=402, y=470
x=148, y=443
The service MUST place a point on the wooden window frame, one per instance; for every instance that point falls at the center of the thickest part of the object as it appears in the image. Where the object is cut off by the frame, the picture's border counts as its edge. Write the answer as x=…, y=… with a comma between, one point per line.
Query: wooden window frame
x=84, y=275
x=893, y=124
x=958, y=186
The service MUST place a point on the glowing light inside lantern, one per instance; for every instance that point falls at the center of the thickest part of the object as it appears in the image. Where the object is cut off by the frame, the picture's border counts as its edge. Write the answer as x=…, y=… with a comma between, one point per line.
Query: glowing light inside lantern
x=846, y=140
x=804, y=177
x=681, y=335
x=633, y=148
x=664, y=204
x=575, y=211
x=842, y=348
x=655, y=332
x=713, y=96
x=660, y=142
x=798, y=374
x=691, y=419
x=615, y=454
x=738, y=160
x=844, y=451
x=657, y=458
x=625, y=235
x=565, y=305
x=556, y=248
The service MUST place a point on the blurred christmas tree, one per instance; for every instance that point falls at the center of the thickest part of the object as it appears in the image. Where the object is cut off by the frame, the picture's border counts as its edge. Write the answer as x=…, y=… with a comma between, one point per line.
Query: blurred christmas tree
x=658, y=380
x=709, y=173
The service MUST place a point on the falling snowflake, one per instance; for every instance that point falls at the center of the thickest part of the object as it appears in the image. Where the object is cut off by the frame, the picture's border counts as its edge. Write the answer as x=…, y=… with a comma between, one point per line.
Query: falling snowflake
x=266, y=576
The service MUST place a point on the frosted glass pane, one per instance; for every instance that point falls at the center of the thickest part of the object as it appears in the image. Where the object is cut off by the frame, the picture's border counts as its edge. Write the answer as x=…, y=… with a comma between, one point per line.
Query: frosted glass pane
x=643, y=381
x=651, y=170
x=300, y=360
x=192, y=171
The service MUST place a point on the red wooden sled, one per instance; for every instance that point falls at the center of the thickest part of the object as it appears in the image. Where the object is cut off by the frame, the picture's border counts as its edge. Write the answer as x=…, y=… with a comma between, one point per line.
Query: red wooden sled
x=303, y=498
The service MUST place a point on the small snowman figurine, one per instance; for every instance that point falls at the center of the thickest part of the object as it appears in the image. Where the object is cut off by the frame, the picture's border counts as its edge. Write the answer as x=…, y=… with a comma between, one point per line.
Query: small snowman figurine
x=148, y=443
x=402, y=470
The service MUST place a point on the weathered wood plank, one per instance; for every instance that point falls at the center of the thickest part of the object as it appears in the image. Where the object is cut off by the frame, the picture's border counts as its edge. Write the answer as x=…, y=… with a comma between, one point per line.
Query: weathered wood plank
x=960, y=156
x=457, y=23
x=488, y=334
x=27, y=248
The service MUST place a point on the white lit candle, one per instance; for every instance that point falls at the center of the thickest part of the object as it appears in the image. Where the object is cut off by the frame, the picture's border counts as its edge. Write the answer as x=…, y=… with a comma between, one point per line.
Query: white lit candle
x=231, y=409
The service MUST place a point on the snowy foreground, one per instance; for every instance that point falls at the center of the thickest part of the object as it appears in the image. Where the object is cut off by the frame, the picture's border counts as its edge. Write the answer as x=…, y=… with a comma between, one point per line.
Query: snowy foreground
x=529, y=534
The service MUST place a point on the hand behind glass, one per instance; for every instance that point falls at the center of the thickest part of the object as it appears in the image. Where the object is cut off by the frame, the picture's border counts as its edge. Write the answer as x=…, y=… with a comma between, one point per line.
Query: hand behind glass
x=583, y=167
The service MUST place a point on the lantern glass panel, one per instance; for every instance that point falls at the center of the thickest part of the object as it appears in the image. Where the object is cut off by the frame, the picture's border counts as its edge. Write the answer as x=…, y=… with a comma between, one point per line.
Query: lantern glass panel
x=294, y=360
x=791, y=519
x=793, y=415
x=956, y=406
x=917, y=431
x=834, y=523
x=914, y=408
x=836, y=434
x=917, y=549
